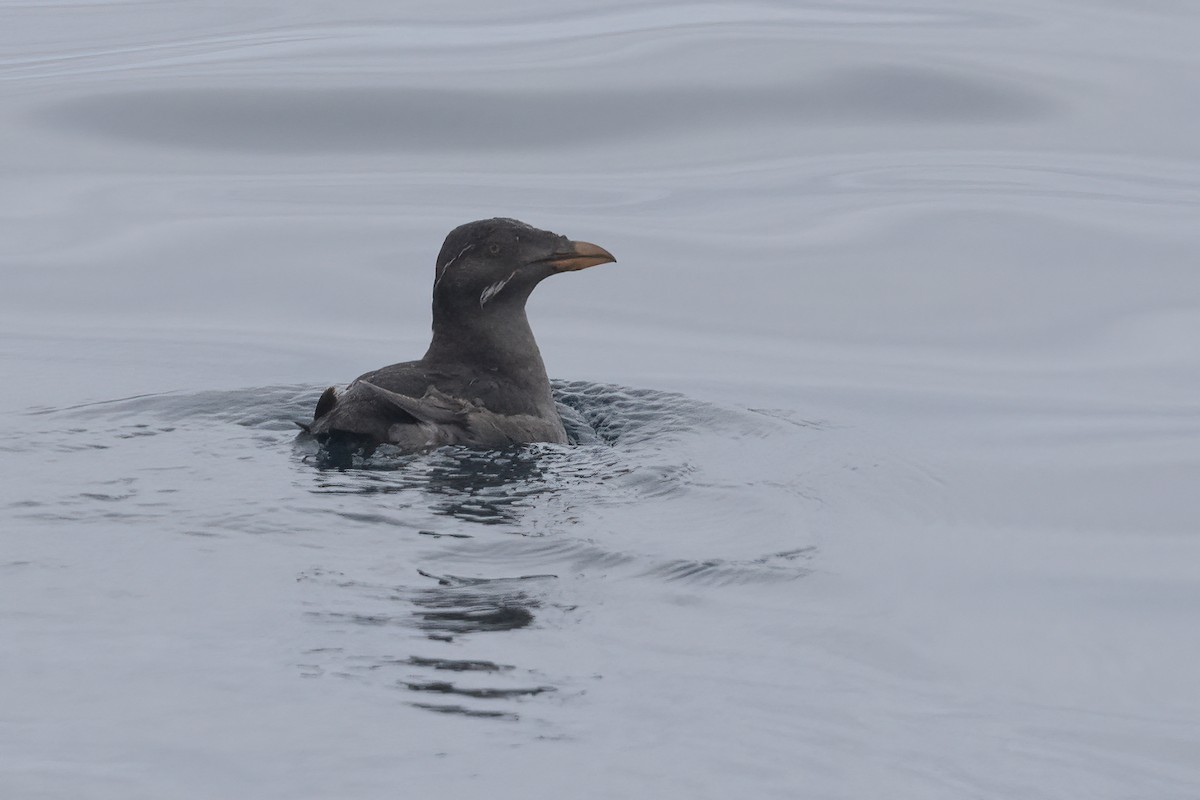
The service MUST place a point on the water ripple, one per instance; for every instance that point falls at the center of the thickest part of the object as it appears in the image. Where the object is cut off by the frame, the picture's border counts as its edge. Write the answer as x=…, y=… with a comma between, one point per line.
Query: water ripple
x=486, y=542
x=660, y=24
x=398, y=119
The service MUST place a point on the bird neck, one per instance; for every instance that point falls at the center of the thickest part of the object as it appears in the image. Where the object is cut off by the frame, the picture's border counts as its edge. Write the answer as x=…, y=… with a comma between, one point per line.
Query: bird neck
x=501, y=344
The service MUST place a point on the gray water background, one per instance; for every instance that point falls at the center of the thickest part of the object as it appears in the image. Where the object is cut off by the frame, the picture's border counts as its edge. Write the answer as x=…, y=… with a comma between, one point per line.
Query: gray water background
x=888, y=476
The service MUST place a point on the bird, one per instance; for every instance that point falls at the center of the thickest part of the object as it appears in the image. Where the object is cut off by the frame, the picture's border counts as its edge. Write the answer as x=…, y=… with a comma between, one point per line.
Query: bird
x=482, y=382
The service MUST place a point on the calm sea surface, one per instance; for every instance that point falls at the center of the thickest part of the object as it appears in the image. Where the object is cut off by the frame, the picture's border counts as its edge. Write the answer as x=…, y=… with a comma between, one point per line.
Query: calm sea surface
x=886, y=480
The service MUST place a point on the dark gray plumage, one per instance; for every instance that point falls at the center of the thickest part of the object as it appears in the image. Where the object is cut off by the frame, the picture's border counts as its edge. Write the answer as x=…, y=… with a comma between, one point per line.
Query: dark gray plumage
x=482, y=381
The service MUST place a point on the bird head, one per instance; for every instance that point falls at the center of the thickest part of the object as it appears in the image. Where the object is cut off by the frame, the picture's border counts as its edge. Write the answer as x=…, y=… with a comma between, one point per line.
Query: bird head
x=494, y=264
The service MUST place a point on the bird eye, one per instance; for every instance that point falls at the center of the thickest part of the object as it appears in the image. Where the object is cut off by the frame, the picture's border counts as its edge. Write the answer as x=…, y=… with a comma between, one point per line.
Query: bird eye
x=494, y=249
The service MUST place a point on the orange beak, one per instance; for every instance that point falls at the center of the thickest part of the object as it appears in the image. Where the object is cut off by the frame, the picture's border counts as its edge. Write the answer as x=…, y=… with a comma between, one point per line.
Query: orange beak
x=579, y=255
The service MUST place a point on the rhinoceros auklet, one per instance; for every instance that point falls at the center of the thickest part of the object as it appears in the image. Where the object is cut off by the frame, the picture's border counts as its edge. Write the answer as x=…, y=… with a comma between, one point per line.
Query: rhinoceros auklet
x=482, y=381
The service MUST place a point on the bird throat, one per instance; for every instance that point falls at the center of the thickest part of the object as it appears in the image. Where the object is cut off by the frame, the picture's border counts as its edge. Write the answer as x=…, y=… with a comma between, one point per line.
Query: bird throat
x=500, y=345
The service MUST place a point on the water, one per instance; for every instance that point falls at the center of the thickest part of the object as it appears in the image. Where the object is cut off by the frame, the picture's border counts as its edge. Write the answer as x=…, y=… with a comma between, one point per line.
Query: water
x=886, y=419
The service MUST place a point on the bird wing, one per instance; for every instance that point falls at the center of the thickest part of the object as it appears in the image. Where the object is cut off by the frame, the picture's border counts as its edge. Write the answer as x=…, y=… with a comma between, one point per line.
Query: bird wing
x=434, y=407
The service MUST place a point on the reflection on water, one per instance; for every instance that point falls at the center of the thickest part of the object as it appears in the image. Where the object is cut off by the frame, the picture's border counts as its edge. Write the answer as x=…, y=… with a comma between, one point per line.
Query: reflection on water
x=507, y=527
x=476, y=486
x=473, y=605
x=447, y=612
x=630, y=446
x=945, y=250
x=358, y=120
x=607, y=425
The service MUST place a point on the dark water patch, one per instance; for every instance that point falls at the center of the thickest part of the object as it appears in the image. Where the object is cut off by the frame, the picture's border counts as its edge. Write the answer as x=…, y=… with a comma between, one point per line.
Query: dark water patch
x=467, y=712
x=490, y=487
x=75, y=447
x=621, y=416
x=460, y=606
x=579, y=431
x=107, y=498
x=445, y=687
x=407, y=119
x=457, y=581
x=456, y=665
x=453, y=613
x=366, y=517
x=139, y=430
x=724, y=572
x=468, y=615
x=455, y=607
x=621, y=452
x=436, y=535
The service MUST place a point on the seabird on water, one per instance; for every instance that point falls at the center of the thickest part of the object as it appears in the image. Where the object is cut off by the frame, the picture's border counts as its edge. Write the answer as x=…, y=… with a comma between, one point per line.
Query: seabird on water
x=482, y=381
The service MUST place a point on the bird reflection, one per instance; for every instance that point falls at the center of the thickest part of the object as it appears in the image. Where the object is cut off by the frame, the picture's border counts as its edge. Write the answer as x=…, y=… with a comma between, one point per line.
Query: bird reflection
x=487, y=487
x=490, y=487
x=474, y=605
x=498, y=486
